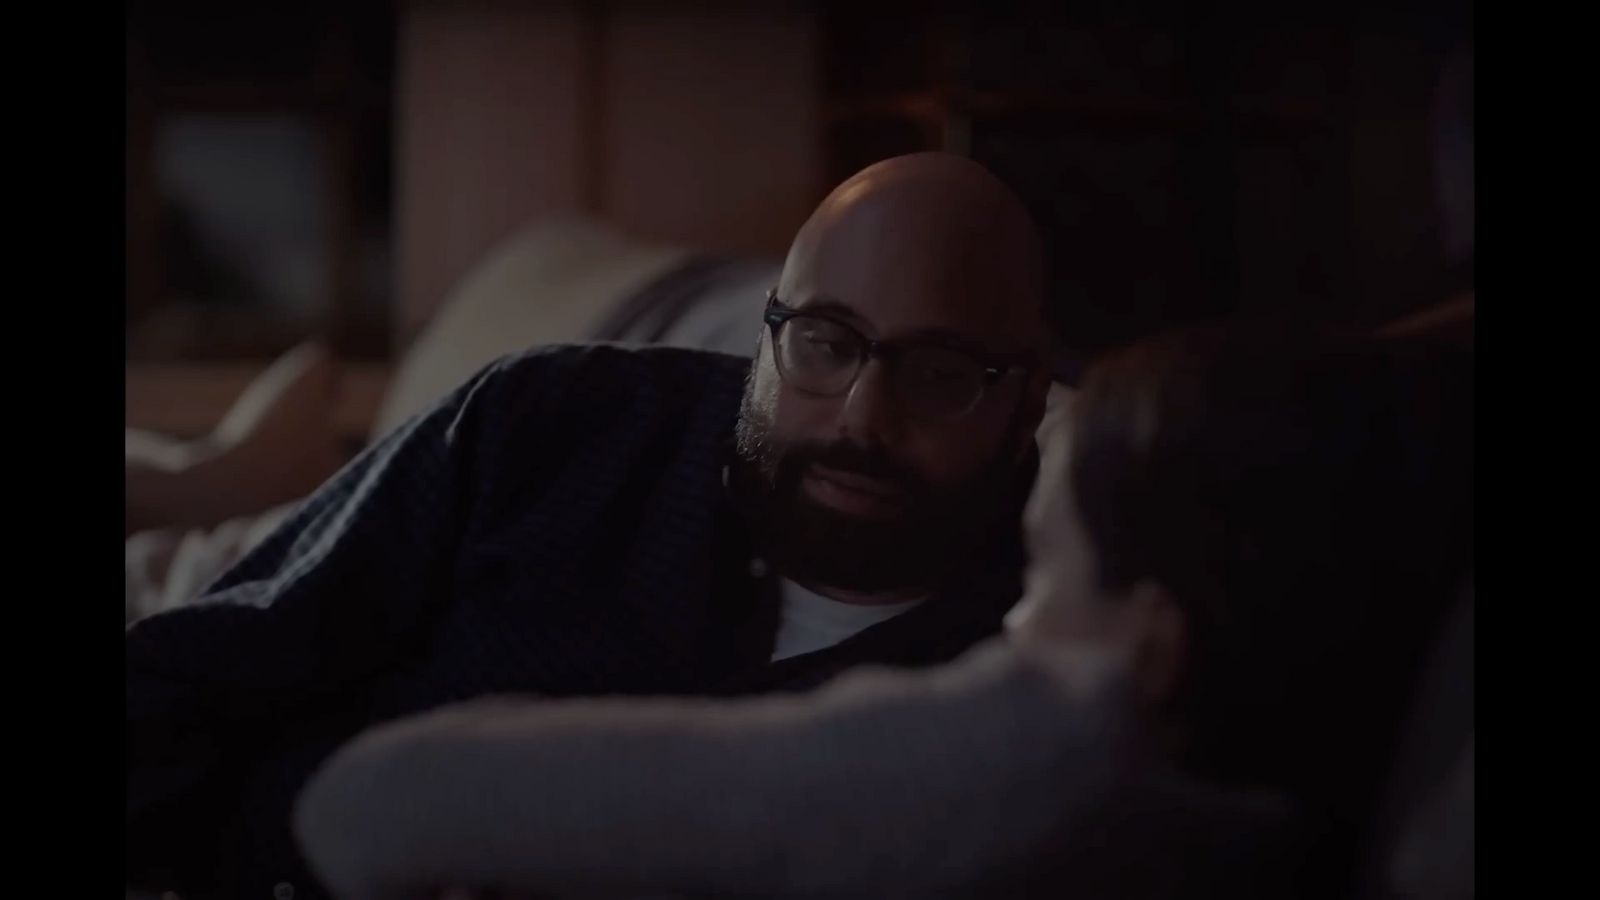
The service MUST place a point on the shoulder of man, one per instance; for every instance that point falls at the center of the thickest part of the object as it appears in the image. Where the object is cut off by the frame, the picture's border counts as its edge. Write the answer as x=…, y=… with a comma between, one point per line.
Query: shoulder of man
x=612, y=371
x=604, y=408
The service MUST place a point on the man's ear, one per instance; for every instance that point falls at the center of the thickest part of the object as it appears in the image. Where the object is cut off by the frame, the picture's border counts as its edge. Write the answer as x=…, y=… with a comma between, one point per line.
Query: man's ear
x=1161, y=644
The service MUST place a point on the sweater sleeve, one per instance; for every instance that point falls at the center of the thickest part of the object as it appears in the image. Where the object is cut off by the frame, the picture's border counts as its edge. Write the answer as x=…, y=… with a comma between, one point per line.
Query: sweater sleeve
x=884, y=779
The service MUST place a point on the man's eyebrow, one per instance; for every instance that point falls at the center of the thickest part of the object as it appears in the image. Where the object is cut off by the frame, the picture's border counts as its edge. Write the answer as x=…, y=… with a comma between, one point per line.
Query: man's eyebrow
x=830, y=307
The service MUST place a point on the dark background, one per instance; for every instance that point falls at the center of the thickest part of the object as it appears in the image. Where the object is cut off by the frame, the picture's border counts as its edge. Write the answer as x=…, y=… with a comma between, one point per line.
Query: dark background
x=1186, y=161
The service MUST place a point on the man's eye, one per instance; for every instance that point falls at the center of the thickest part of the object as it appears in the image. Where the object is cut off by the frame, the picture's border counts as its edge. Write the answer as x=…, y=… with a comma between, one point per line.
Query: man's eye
x=830, y=348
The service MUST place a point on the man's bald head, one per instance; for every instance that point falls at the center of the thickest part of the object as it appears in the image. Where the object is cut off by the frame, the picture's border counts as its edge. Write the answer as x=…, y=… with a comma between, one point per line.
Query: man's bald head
x=934, y=230
x=878, y=471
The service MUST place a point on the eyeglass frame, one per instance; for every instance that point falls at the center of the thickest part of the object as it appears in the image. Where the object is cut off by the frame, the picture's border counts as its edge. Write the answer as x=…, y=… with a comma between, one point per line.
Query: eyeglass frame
x=993, y=365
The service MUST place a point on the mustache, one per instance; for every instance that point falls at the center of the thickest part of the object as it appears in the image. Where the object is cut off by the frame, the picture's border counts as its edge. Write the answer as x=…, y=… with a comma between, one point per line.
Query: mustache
x=854, y=459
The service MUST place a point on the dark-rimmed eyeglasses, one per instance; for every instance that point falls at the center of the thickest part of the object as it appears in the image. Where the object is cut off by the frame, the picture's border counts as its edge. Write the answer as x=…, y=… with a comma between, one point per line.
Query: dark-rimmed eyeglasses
x=820, y=355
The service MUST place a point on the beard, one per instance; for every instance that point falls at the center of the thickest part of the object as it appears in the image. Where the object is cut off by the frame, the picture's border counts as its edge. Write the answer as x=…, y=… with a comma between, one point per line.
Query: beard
x=936, y=529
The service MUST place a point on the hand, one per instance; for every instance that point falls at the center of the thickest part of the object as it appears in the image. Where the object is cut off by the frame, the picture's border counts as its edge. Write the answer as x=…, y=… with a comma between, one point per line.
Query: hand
x=1066, y=620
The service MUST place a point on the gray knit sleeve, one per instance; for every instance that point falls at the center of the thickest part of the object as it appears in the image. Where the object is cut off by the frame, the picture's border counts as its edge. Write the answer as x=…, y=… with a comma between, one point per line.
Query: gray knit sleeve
x=884, y=782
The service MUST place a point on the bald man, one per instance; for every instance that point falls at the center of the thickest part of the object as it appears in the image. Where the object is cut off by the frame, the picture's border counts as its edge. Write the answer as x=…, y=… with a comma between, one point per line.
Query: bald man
x=587, y=520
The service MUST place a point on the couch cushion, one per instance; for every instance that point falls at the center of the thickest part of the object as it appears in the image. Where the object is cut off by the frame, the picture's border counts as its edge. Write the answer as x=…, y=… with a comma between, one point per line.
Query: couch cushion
x=546, y=284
